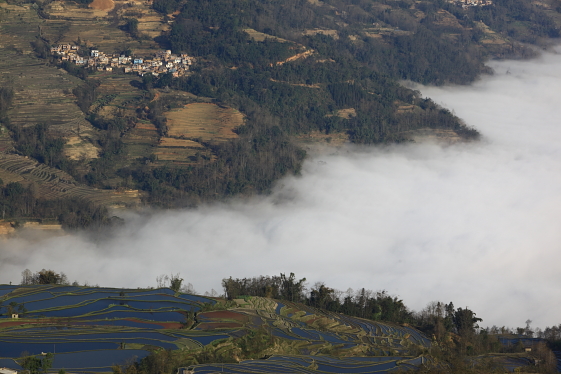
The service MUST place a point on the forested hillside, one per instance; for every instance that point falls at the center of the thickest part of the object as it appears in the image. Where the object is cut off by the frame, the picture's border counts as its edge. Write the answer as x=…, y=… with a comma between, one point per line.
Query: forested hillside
x=271, y=74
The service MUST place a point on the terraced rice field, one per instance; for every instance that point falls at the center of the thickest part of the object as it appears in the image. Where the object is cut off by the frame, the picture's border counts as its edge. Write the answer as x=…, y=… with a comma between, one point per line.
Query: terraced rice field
x=311, y=364
x=141, y=140
x=180, y=151
x=53, y=183
x=95, y=328
x=96, y=26
x=259, y=36
x=205, y=122
x=39, y=95
x=92, y=328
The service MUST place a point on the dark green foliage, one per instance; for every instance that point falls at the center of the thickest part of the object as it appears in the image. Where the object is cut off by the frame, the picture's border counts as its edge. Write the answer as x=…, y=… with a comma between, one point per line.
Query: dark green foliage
x=131, y=27
x=86, y=94
x=250, y=164
x=80, y=72
x=43, y=277
x=41, y=48
x=37, y=143
x=279, y=287
x=175, y=282
x=6, y=97
x=21, y=202
x=36, y=365
x=465, y=321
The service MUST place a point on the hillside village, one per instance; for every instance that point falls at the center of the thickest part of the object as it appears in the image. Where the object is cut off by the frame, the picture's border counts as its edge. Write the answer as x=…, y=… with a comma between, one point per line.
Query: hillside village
x=467, y=3
x=162, y=62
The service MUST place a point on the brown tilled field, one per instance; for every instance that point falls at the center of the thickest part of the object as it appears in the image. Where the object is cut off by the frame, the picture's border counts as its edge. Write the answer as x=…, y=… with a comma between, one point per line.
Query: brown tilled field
x=259, y=36
x=141, y=140
x=55, y=184
x=77, y=148
x=207, y=122
x=102, y=4
x=180, y=151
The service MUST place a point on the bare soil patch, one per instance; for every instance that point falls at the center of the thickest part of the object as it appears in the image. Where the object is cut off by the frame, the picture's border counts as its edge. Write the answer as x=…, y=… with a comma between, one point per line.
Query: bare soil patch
x=102, y=4
x=224, y=314
x=259, y=36
x=77, y=148
x=218, y=325
x=179, y=143
x=205, y=122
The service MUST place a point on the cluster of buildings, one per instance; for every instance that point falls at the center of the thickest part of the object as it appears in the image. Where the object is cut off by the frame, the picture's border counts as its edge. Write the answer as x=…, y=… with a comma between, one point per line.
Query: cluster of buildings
x=468, y=3
x=161, y=63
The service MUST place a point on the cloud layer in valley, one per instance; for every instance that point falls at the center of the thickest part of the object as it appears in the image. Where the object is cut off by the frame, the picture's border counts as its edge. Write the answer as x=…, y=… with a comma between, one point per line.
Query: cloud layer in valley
x=476, y=224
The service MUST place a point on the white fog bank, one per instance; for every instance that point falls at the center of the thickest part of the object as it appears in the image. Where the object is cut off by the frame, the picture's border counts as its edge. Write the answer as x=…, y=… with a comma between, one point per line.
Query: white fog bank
x=476, y=224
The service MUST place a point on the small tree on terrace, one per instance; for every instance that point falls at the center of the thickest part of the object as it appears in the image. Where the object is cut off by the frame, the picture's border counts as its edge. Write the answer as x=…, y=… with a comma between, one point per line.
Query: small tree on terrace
x=175, y=282
x=37, y=365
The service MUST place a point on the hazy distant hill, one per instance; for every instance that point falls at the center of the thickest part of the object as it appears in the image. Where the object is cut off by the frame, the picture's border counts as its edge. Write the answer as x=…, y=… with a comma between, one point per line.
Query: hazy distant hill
x=269, y=78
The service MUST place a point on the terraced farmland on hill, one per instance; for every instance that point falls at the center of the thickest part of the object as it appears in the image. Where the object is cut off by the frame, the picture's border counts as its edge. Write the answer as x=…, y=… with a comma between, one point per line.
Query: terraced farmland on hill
x=85, y=323
x=39, y=95
x=96, y=27
x=207, y=122
x=93, y=329
x=55, y=184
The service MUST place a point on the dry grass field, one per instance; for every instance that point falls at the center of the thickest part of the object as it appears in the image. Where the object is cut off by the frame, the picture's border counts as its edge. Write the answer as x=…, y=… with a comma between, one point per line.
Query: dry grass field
x=106, y=5
x=98, y=25
x=204, y=122
x=259, y=36
x=180, y=151
x=141, y=140
x=77, y=148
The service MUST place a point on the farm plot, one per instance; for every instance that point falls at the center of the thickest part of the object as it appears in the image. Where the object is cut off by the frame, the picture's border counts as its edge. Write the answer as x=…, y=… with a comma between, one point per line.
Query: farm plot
x=53, y=183
x=204, y=122
x=42, y=95
x=73, y=321
x=259, y=36
x=312, y=364
x=181, y=151
x=141, y=140
x=96, y=26
x=84, y=321
x=116, y=94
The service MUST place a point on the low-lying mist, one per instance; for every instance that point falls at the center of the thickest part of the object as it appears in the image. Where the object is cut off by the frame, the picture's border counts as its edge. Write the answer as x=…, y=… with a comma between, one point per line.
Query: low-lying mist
x=477, y=224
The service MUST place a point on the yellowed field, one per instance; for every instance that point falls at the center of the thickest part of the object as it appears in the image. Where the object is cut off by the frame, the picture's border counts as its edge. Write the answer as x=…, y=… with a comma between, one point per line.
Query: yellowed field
x=332, y=33
x=179, y=143
x=207, y=122
x=259, y=36
x=297, y=56
x=102, y=5
x=77, y=148
x=447, y=19
x=6, y=228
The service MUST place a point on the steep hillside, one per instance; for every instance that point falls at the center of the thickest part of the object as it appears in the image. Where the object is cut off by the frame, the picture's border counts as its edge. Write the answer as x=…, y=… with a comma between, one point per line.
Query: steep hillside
x=263, y=81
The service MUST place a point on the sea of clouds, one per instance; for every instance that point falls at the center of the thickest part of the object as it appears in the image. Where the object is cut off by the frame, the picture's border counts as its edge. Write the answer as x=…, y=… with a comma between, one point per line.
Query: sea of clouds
x=478, y=224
